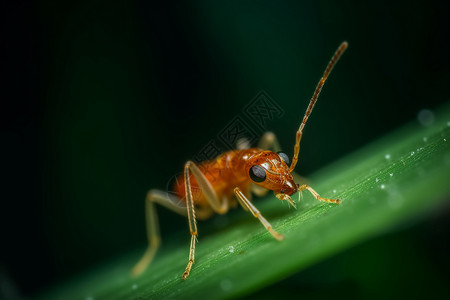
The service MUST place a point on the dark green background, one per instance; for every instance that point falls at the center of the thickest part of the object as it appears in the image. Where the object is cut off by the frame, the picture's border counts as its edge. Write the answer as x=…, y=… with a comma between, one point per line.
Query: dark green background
x=106, y=100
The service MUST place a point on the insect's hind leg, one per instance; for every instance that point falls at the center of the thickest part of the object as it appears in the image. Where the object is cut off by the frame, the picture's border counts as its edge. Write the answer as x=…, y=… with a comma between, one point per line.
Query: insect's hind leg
x=316, y=195
x=153, y=235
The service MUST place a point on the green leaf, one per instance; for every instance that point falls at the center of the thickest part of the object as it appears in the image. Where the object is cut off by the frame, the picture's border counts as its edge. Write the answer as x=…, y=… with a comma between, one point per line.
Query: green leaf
x=399, y=177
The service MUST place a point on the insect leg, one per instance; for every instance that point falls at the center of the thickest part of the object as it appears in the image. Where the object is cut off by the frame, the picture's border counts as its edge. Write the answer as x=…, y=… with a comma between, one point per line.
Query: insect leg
x=269, y=141
x=213, y=200
x=154, y=240
x=249, y=206
x=258, y=191
x=316, y=195
x=242, y=144
x=220, y=207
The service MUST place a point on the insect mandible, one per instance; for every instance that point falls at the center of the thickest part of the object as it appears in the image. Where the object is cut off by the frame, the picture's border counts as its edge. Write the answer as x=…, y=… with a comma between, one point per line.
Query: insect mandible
x=231, y=179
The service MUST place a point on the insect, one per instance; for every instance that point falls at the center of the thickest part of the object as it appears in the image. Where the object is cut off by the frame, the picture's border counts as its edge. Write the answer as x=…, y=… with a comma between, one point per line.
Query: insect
x=230, y=179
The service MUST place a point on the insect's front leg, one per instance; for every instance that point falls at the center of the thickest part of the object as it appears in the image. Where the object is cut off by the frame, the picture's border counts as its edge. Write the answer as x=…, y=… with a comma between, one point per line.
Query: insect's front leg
x=247, y=205
x=316, y=195
x=258, y=191
x=214, y=202
x=191, y=219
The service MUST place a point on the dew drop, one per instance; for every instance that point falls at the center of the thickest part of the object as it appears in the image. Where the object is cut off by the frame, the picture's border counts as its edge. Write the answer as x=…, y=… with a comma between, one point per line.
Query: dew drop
x=383, y=186
x=448, y=123
x=425, y=117
x=226, y=284
x=89, y=298
x=445, y=140
x=376, y=179
x=391, y=174
x=387, y=156
x=134, y=286
x=334, y=191
x=425, y=139
x=231, y=249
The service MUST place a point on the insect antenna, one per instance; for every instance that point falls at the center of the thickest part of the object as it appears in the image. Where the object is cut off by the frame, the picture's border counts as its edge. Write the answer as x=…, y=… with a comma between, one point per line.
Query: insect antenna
x=313, y=101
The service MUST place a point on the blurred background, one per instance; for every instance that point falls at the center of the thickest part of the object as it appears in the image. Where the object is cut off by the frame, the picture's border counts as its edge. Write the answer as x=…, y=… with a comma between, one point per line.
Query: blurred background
x=105, y=100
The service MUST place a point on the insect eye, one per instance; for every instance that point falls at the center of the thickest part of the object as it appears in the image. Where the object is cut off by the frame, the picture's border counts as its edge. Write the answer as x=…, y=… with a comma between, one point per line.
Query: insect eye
x=284, y=157
x=257, y=173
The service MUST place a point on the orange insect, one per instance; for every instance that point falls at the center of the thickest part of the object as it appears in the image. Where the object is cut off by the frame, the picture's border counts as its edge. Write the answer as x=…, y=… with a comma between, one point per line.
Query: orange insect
x=230, y=179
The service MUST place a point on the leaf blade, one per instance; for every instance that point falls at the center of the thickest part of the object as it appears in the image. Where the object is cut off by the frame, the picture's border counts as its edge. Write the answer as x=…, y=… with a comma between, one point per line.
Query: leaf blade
x=392, y=180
